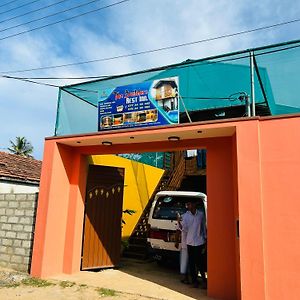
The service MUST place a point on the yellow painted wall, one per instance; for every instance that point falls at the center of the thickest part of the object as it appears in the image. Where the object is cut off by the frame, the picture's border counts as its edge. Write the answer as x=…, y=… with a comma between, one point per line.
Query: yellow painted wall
x=139, y=183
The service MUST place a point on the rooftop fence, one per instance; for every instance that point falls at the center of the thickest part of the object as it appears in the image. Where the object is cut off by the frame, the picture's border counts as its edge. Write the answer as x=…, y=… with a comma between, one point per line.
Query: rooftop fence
x=266, y=78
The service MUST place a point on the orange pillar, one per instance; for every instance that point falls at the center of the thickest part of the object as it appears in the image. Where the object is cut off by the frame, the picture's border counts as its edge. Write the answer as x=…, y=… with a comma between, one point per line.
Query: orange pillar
x=280, y=152
x=51, y=230
x=42, y=209
x=74, y=222
x=250, y=211
x=222, y=277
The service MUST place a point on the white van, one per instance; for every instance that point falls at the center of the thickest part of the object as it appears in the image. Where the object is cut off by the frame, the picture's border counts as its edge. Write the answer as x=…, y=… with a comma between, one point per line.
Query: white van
x=163, y=220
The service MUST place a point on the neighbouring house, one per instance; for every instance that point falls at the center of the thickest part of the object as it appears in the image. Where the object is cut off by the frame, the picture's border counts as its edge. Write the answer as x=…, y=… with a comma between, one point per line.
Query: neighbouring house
x=19, y=174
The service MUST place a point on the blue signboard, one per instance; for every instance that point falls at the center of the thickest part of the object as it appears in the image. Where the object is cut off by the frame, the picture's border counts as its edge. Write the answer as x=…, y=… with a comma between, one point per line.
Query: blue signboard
x=148, y=103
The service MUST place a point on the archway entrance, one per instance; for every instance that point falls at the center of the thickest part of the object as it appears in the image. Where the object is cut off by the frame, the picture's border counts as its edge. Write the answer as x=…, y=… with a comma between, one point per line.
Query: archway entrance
x=65, y=174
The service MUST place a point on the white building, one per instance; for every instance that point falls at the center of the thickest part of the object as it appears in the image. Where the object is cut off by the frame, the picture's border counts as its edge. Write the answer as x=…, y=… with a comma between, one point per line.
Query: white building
x=19, y=174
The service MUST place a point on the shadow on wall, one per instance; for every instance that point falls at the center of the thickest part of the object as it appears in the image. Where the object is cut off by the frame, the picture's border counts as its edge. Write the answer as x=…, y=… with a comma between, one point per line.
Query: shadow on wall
x=34, y=211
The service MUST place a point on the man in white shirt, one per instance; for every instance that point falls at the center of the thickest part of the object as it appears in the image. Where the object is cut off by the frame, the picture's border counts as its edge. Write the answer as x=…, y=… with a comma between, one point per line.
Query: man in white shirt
x=193, y=223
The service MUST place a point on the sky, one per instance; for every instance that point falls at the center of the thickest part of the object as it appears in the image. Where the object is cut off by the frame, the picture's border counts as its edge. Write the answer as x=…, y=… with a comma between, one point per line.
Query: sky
x=136, y=25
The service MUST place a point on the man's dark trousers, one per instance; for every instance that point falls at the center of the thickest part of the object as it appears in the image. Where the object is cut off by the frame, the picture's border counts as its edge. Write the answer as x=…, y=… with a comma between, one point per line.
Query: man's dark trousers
x=195, y=263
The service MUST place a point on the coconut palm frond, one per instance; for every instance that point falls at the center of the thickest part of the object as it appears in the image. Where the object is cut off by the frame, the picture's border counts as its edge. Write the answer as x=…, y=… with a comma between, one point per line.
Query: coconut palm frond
x=21, y=146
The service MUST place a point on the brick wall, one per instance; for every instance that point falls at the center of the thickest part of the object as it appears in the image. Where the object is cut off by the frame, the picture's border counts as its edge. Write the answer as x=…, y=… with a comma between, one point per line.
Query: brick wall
x=17, y=220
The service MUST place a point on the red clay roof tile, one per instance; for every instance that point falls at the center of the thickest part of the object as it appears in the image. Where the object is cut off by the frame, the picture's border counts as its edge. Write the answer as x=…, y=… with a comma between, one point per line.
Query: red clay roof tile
x=19, y=167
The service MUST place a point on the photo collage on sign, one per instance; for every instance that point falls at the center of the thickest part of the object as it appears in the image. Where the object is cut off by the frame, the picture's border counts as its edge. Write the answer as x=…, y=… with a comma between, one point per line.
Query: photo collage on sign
x=145, y=116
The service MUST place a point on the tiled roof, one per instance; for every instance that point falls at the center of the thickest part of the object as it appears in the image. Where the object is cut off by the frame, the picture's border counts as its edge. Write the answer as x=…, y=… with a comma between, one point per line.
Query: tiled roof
x=16, y=167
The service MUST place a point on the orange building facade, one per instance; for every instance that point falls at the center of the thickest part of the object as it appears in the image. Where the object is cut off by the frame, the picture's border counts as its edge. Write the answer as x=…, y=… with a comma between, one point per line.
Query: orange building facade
x=253, y=171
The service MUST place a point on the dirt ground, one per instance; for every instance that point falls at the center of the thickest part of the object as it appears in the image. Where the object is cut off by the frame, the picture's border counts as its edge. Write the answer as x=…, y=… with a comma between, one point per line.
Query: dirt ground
x=15, y=285
x=143, y=278
x=133, y=280
x=58, y=293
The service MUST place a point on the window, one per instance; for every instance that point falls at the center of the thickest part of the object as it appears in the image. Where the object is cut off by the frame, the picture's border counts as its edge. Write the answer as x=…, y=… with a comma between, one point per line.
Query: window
x=168, y=207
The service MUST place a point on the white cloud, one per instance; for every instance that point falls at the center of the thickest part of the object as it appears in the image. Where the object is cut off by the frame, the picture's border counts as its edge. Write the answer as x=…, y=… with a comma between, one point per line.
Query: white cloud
x=29, y=110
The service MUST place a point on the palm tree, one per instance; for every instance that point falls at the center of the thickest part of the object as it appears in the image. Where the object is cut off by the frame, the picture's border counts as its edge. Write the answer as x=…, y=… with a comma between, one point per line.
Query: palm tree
x=21, y=147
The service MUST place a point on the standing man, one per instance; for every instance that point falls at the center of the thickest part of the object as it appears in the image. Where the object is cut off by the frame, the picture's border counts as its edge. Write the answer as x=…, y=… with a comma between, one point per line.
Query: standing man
x=193, y=223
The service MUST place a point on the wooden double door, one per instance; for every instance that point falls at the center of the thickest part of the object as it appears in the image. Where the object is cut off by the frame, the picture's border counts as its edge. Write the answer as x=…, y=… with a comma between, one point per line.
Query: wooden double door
x=103, y=217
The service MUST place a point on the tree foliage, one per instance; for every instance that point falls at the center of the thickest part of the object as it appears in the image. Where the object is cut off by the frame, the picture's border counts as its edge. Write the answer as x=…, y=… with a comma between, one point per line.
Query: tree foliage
x=21, y=146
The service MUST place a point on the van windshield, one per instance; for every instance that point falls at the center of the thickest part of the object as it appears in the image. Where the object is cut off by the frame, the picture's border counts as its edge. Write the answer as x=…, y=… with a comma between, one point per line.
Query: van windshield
x=168, y=207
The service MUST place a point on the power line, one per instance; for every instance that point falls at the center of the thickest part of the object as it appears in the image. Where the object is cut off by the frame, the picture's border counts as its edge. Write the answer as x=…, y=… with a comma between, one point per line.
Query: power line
x=153, y=69
x=228, y=59
x=58, y=86
x=63, y=20
x=7, y=3
x=49, y=16
x=31, y=79
x=154, y=50
x=32, y=11
x=207, y=98
x=65, y=78
x=230, y=98
x=19, y=6
x=44, y=84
